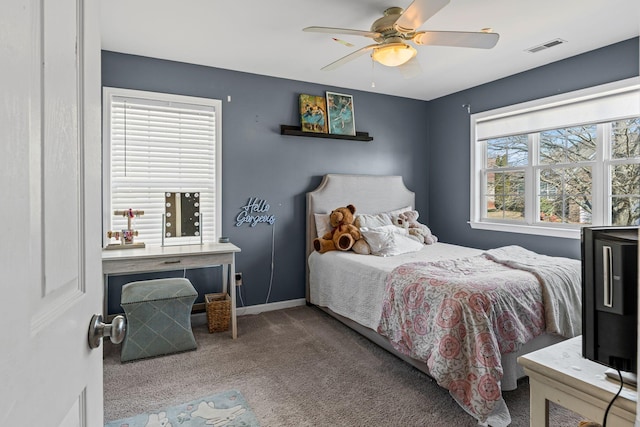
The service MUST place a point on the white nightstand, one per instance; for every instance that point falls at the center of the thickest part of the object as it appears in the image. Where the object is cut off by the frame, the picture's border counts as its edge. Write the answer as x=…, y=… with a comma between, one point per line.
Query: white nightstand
x=560, y=374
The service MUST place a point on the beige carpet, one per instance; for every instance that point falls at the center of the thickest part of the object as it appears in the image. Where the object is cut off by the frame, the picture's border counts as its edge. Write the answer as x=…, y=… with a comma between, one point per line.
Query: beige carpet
x=297, y=367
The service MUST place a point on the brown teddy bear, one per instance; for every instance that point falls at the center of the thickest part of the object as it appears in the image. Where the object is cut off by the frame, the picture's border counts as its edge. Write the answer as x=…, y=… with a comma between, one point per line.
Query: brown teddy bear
x=343, y=234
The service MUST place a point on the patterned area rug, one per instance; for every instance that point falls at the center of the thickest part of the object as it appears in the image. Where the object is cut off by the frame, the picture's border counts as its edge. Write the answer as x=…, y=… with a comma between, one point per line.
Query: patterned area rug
x=227, y=409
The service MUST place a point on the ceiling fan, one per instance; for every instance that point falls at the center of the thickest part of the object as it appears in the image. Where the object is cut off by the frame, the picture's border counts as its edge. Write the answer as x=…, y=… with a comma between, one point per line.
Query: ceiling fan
x=397, y=26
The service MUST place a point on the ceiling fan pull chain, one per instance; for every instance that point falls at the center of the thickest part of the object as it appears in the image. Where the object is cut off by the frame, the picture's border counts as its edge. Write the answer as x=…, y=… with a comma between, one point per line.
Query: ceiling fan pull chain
x=373, y=64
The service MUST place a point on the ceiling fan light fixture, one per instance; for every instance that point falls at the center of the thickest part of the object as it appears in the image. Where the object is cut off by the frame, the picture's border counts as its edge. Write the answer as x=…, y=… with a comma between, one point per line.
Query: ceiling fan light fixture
x=393, y=55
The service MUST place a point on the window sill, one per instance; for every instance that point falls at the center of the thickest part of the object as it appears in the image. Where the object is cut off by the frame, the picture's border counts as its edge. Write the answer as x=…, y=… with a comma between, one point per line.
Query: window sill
x=566, y=233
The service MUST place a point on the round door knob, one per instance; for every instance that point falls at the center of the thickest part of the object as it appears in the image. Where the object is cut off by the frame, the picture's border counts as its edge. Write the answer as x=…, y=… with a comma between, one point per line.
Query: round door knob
x=114, y=330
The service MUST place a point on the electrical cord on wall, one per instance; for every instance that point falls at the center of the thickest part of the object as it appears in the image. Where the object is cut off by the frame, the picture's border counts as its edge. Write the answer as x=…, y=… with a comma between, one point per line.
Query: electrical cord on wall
x=239, y=288
x=606, y=412
x=273, y=240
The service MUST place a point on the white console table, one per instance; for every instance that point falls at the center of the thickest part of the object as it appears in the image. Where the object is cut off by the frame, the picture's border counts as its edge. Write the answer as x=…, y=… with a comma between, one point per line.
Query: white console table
x=560, y=374
x=165, y=258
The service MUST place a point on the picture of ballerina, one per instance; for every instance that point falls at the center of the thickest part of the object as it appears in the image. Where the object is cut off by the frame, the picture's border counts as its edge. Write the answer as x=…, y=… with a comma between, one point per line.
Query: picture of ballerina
x=340, y=114
x=313, y=114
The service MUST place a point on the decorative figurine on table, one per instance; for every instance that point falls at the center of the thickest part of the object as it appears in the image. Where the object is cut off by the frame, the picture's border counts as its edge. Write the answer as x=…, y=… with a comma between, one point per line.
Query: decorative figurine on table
x=126, y=236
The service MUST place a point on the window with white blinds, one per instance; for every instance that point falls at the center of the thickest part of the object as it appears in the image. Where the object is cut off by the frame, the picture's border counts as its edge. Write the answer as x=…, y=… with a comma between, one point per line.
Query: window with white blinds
x=553, y=165
x=156, y=144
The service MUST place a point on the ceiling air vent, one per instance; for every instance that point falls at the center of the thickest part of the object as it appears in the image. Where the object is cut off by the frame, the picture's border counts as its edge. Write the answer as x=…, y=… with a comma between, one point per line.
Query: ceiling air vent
x=546, y=45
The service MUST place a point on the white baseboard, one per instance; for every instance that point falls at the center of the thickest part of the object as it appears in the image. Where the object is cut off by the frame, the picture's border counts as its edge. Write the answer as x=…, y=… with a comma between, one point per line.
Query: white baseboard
x=254, y=309
x=261, y=308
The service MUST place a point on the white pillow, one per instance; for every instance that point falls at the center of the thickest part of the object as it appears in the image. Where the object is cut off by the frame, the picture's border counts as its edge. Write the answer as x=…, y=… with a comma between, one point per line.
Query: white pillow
x=378, y=220
x=397, y=212
x=373, y=221
x=390, y=240
x=323, y=224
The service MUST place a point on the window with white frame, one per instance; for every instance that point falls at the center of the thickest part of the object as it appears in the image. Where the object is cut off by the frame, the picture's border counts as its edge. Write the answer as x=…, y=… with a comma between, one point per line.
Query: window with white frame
x=554, y=165
x=154, y=144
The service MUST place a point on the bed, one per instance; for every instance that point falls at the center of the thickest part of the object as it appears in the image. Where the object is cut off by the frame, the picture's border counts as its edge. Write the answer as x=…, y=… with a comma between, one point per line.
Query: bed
x=358, y=289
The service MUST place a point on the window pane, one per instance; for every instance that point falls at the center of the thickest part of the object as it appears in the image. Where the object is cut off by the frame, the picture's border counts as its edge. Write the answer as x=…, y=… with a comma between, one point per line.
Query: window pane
x=625, y=138
x=625, y=210
x=504, y=195
x=625, y=193
x=578, y=209
x=507, y=152
x=564, y=195
x=568, y=145
x=625, y=180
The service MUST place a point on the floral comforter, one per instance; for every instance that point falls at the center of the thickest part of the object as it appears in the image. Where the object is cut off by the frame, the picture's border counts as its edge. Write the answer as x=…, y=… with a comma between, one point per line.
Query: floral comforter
x=459, y=315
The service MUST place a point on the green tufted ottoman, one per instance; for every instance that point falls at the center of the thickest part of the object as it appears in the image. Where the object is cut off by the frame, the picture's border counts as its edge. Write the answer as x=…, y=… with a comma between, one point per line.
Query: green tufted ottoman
x=158, y=316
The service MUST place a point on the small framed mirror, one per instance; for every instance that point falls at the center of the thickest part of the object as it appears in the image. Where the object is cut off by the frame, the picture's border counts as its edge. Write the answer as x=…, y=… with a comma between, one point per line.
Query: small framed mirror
x=182, y=215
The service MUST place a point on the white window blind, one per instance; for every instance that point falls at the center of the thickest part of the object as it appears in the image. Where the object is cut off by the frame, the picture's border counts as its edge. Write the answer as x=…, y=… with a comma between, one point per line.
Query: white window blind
x=611, y=102
x=159, y=143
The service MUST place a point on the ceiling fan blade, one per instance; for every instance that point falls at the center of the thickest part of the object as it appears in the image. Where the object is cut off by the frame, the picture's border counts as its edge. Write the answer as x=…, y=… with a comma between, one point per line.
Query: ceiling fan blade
x=370, y=34
x=350, y=57
x=457, y=39
x=417, y=14
x=410, y=69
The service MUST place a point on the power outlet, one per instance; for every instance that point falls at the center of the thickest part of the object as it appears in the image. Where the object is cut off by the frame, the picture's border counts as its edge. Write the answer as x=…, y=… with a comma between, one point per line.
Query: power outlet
x=238, y=279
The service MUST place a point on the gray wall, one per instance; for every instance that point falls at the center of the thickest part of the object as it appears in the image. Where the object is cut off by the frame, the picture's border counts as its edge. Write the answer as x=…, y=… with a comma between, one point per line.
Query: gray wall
x=425, y=142
x=259, y=162
x=449, y=133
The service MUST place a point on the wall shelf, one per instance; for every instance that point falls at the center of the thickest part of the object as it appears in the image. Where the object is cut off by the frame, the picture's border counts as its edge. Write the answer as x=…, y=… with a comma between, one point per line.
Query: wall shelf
x=297, y=131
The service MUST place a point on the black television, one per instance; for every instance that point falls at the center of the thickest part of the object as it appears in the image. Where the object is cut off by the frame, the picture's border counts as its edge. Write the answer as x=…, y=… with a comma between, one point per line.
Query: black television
x=610, y=296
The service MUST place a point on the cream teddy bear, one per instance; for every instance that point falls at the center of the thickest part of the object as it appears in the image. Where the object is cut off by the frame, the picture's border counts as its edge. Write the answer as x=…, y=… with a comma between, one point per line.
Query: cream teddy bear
x=421, y=232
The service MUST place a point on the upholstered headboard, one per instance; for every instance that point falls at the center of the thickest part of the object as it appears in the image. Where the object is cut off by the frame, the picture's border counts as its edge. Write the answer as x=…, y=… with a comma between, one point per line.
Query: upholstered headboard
x=370, y=194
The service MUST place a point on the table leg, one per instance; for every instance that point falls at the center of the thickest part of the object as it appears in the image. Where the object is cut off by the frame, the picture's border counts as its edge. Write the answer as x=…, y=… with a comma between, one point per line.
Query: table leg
x=225, y=277
x=538, y=405
x=232, y=278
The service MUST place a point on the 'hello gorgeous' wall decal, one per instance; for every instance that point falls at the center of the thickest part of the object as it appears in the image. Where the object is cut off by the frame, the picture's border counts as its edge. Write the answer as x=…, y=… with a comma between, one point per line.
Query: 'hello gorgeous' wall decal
x=255, y=212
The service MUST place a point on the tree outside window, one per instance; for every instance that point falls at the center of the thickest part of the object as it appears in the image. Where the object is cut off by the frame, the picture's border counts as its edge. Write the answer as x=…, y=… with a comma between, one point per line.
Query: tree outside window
x=563, y=168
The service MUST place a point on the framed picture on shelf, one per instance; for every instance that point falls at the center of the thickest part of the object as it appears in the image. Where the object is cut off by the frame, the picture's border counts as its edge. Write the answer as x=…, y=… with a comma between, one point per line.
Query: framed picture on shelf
x=313, y=113
x=340, y=114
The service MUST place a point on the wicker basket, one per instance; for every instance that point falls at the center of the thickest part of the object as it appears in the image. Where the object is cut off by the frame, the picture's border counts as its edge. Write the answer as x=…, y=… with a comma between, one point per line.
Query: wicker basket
x=218, y=311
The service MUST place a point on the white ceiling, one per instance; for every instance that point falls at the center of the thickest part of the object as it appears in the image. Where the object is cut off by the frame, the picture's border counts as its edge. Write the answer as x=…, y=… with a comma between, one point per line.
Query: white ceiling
x=265, y=37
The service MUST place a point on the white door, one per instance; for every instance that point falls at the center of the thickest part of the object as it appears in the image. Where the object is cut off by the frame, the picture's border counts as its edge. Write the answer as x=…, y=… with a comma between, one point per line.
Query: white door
x=50, y=272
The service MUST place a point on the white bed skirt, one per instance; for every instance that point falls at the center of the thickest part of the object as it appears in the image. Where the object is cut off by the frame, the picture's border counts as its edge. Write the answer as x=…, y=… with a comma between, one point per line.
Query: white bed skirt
x=512, y=370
